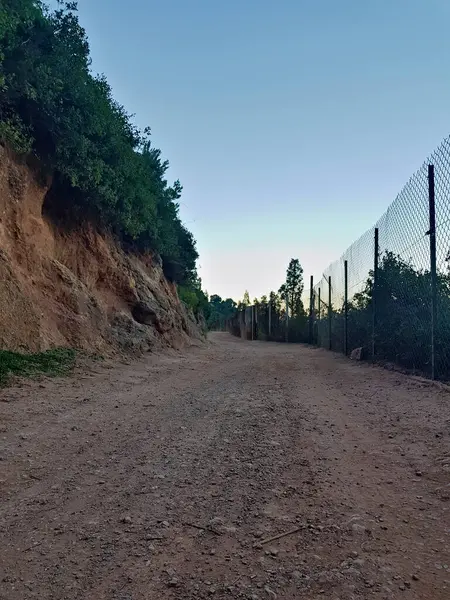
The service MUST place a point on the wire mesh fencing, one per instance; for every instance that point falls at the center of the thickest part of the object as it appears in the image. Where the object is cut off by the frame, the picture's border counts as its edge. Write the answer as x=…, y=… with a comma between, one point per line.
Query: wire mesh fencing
x=388, y=297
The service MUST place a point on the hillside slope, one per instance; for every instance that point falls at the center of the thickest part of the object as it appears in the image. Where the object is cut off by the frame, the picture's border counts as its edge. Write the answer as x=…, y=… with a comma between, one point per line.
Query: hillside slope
x=76, y=287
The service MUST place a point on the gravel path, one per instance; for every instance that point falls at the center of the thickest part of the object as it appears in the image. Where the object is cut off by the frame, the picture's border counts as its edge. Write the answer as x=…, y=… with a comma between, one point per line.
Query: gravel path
x=165, y=478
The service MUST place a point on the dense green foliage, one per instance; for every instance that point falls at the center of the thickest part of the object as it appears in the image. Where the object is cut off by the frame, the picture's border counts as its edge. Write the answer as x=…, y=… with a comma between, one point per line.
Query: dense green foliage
x=220, y=312
x=195, y=298
x=403, y=330
x=105, y=168
x=51, y=363
x=403, y=300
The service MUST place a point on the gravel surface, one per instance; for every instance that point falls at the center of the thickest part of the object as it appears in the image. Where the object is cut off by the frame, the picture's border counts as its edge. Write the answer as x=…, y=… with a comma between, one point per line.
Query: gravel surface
x=168, y=477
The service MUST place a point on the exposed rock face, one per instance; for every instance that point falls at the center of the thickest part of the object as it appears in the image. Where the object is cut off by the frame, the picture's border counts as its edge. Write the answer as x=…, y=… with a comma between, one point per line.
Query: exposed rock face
x=77, y=288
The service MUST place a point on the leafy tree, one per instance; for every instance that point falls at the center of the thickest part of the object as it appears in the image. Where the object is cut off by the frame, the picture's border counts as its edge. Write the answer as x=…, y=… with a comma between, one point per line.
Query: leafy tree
x=105, y=169
x=221, y=311
x=194, y=297
x=246, y=299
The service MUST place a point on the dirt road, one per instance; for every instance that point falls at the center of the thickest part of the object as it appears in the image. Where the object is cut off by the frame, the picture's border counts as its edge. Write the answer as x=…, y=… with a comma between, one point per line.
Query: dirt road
x=164, y=479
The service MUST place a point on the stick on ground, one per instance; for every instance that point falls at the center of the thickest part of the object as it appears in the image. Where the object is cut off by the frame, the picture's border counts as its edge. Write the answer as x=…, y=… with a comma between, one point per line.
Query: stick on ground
x=202, y=528
x=277, y=537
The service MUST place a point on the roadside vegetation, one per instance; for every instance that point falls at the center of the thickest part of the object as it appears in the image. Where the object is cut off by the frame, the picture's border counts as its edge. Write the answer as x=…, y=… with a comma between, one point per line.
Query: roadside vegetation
x=51, y=363
x=403, y=322
x=105, y=169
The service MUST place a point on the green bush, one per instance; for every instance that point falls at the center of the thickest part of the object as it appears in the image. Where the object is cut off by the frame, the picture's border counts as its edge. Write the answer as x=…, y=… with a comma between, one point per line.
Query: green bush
x=403, y=333
x=220, y=312
x=51, y=363
x=194, y=297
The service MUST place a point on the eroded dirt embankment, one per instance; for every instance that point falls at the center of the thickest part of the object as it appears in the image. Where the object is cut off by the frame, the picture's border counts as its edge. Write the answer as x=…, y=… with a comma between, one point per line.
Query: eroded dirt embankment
x=162, y=479
x=76, y=288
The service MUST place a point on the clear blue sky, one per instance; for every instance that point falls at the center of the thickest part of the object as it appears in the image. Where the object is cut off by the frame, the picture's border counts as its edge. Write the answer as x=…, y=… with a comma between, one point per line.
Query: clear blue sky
x=291, y=125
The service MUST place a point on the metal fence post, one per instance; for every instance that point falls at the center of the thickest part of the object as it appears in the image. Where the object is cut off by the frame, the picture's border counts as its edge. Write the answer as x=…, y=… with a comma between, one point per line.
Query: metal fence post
x=432, y=234
x=319, y=314
x=287, y=317
x=346, y=308
x=376, y=253
x=252, y=320
x=320, y=307
x=329, y=312
x=270, y=319
x=311, y=309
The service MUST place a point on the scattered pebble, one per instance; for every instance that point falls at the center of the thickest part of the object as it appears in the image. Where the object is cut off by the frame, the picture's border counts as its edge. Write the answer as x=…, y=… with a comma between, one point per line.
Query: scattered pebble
x=126, y=519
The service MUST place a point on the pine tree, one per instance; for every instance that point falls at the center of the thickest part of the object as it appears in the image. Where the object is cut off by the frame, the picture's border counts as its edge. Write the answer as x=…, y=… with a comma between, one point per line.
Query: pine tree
x=294, y=287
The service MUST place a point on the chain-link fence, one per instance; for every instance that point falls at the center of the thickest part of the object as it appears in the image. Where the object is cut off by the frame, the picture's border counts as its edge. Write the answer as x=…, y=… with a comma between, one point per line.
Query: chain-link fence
x=388, y=296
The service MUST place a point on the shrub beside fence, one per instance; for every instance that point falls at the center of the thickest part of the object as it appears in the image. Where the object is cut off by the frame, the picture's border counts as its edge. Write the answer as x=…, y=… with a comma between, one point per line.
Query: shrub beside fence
x=389, y=293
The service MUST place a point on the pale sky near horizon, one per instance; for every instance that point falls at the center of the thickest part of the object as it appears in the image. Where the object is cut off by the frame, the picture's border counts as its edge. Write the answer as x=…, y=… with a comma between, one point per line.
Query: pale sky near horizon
x=292, y=125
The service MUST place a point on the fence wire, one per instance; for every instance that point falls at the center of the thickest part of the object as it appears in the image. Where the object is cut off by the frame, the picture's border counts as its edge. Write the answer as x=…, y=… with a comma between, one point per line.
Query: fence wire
x=389, y=311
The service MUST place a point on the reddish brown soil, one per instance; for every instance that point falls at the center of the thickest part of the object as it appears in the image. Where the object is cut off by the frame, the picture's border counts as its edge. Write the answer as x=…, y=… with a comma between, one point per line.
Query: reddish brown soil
x=161, y=479
x=72, y=286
